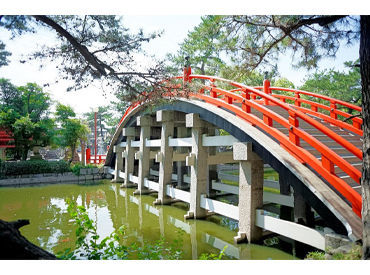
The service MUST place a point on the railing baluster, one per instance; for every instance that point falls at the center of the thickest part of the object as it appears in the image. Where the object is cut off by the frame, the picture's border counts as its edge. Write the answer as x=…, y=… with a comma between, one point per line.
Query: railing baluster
x=294, y=122
x=327, y=164
x=246, y=108
x=333, y=108
x=266, y=89
x=297, y=102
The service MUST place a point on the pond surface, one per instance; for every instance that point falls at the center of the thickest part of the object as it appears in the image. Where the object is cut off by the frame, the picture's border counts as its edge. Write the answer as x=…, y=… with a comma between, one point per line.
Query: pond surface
x=110, y=207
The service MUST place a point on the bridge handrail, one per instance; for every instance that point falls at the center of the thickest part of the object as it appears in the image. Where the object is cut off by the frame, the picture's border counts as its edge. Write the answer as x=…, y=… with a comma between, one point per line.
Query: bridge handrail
x=319, y=146
x=329, y=157
x=332, y=107
x=355, y=128
x=292, y=112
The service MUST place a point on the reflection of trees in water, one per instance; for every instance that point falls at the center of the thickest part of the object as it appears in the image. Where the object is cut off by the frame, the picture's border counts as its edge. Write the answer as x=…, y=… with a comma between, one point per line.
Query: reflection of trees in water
x=52, y=228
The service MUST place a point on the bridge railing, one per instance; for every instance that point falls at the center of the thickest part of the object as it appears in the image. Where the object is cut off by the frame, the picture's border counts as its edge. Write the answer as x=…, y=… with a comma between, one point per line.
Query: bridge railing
x=251, y=98
x=330, y=111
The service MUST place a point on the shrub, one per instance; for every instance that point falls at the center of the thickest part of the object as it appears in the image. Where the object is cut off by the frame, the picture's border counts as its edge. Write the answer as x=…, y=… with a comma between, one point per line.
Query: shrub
x=33, y=167
x=90, y=246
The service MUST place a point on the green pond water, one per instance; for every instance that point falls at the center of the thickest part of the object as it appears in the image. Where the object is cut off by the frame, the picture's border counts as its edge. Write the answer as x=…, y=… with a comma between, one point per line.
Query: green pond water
x=110, y=207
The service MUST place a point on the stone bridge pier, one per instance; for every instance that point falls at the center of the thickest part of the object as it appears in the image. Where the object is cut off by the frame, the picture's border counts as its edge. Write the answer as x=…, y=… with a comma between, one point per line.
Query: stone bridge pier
x=183, y=157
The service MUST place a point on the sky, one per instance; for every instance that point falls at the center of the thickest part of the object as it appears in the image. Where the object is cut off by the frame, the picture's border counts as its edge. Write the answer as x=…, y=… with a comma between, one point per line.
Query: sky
x=175, y=23
x=175, y=30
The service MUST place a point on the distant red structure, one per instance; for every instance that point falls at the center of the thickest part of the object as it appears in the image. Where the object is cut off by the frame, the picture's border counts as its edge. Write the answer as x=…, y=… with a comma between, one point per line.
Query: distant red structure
x=5, y=139
x=94, y=159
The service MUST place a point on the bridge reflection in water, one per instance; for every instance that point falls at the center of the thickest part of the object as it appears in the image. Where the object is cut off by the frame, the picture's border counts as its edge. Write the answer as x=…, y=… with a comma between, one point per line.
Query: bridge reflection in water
x=110, y=207
x=200, y=236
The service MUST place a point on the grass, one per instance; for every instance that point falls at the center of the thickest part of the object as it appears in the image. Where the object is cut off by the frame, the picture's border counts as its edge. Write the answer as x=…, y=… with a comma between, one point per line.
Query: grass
x=269, y=174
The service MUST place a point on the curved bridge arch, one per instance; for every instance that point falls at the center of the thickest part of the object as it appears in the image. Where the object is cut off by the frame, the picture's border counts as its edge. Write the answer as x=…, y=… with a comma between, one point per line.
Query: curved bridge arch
x=226, y=110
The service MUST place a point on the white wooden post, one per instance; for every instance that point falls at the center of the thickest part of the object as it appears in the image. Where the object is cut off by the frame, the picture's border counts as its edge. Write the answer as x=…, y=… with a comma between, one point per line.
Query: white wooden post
x=143, y=155
x=164, y=156
x=197, y=160
x=250, y=191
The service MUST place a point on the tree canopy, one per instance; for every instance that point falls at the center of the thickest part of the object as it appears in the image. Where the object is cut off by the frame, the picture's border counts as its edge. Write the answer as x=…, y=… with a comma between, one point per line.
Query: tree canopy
x=71, y=130
x=337, y=84
x=24, y=112
x=90, y=48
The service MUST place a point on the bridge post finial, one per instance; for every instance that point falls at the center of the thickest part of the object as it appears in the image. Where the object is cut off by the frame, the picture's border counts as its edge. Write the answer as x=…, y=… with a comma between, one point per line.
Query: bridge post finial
x=266, y=88
x=187, y=71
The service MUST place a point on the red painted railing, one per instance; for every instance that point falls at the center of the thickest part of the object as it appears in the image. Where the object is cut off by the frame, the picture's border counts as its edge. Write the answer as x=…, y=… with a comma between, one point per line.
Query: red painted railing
x=90, y=159
x=257, y=98
x=5, y=138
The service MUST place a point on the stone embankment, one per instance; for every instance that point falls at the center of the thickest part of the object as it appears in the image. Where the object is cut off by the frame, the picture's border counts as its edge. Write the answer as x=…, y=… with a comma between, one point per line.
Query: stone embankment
x=86, y=175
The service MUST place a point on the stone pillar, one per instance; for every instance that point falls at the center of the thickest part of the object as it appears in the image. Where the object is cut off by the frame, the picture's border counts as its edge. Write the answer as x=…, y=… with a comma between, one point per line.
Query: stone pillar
x=119, y=163
x=250, y=191
x=181, y=168
x=143, y=154
x=129, y=155
x=212, y=169
x=197, y=160
x=164, y=157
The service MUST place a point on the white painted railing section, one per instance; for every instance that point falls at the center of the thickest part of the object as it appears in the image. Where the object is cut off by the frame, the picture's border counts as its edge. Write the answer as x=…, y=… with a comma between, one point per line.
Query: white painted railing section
x=218, y=140
x=221, y=208
x=153, y=143
x=291, y=230
x=178, y=194
x=151, y=184
x=180, y=142
x=135, y=143
x=133, y=178
x=121, y=174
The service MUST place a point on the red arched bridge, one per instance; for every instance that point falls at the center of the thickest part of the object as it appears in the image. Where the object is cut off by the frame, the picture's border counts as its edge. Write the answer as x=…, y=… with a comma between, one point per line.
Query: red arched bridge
x=283, y=160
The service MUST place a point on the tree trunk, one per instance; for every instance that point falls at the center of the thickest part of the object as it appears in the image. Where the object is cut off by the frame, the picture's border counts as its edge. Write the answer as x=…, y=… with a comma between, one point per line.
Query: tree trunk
x=365, y=181
x=16, y=247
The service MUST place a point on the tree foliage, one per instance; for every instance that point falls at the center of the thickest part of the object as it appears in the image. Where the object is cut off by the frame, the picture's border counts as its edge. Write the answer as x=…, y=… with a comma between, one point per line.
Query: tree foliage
x=24, y=112
x=259, y=40
x=91, y=48
x=203, y=47
x=3, y=55
x=107, y=123
x=72, y=130
x=341, y=85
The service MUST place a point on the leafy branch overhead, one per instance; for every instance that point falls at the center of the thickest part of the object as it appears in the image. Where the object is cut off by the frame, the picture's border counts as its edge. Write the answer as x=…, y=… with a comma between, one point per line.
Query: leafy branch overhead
x=258, y=40
x=91, y=48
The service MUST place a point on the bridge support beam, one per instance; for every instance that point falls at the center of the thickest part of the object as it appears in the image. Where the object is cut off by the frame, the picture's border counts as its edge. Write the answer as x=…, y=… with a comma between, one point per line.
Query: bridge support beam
x=302, y=211
x=250, y=192
x=164, y=156
x=119, y=164
x=286, y=212
x=128, y=155
x=143, y=155
x=197, y=161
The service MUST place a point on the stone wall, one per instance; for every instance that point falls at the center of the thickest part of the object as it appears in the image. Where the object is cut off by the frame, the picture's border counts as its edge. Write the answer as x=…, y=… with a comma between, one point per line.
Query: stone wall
x=88, y=174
